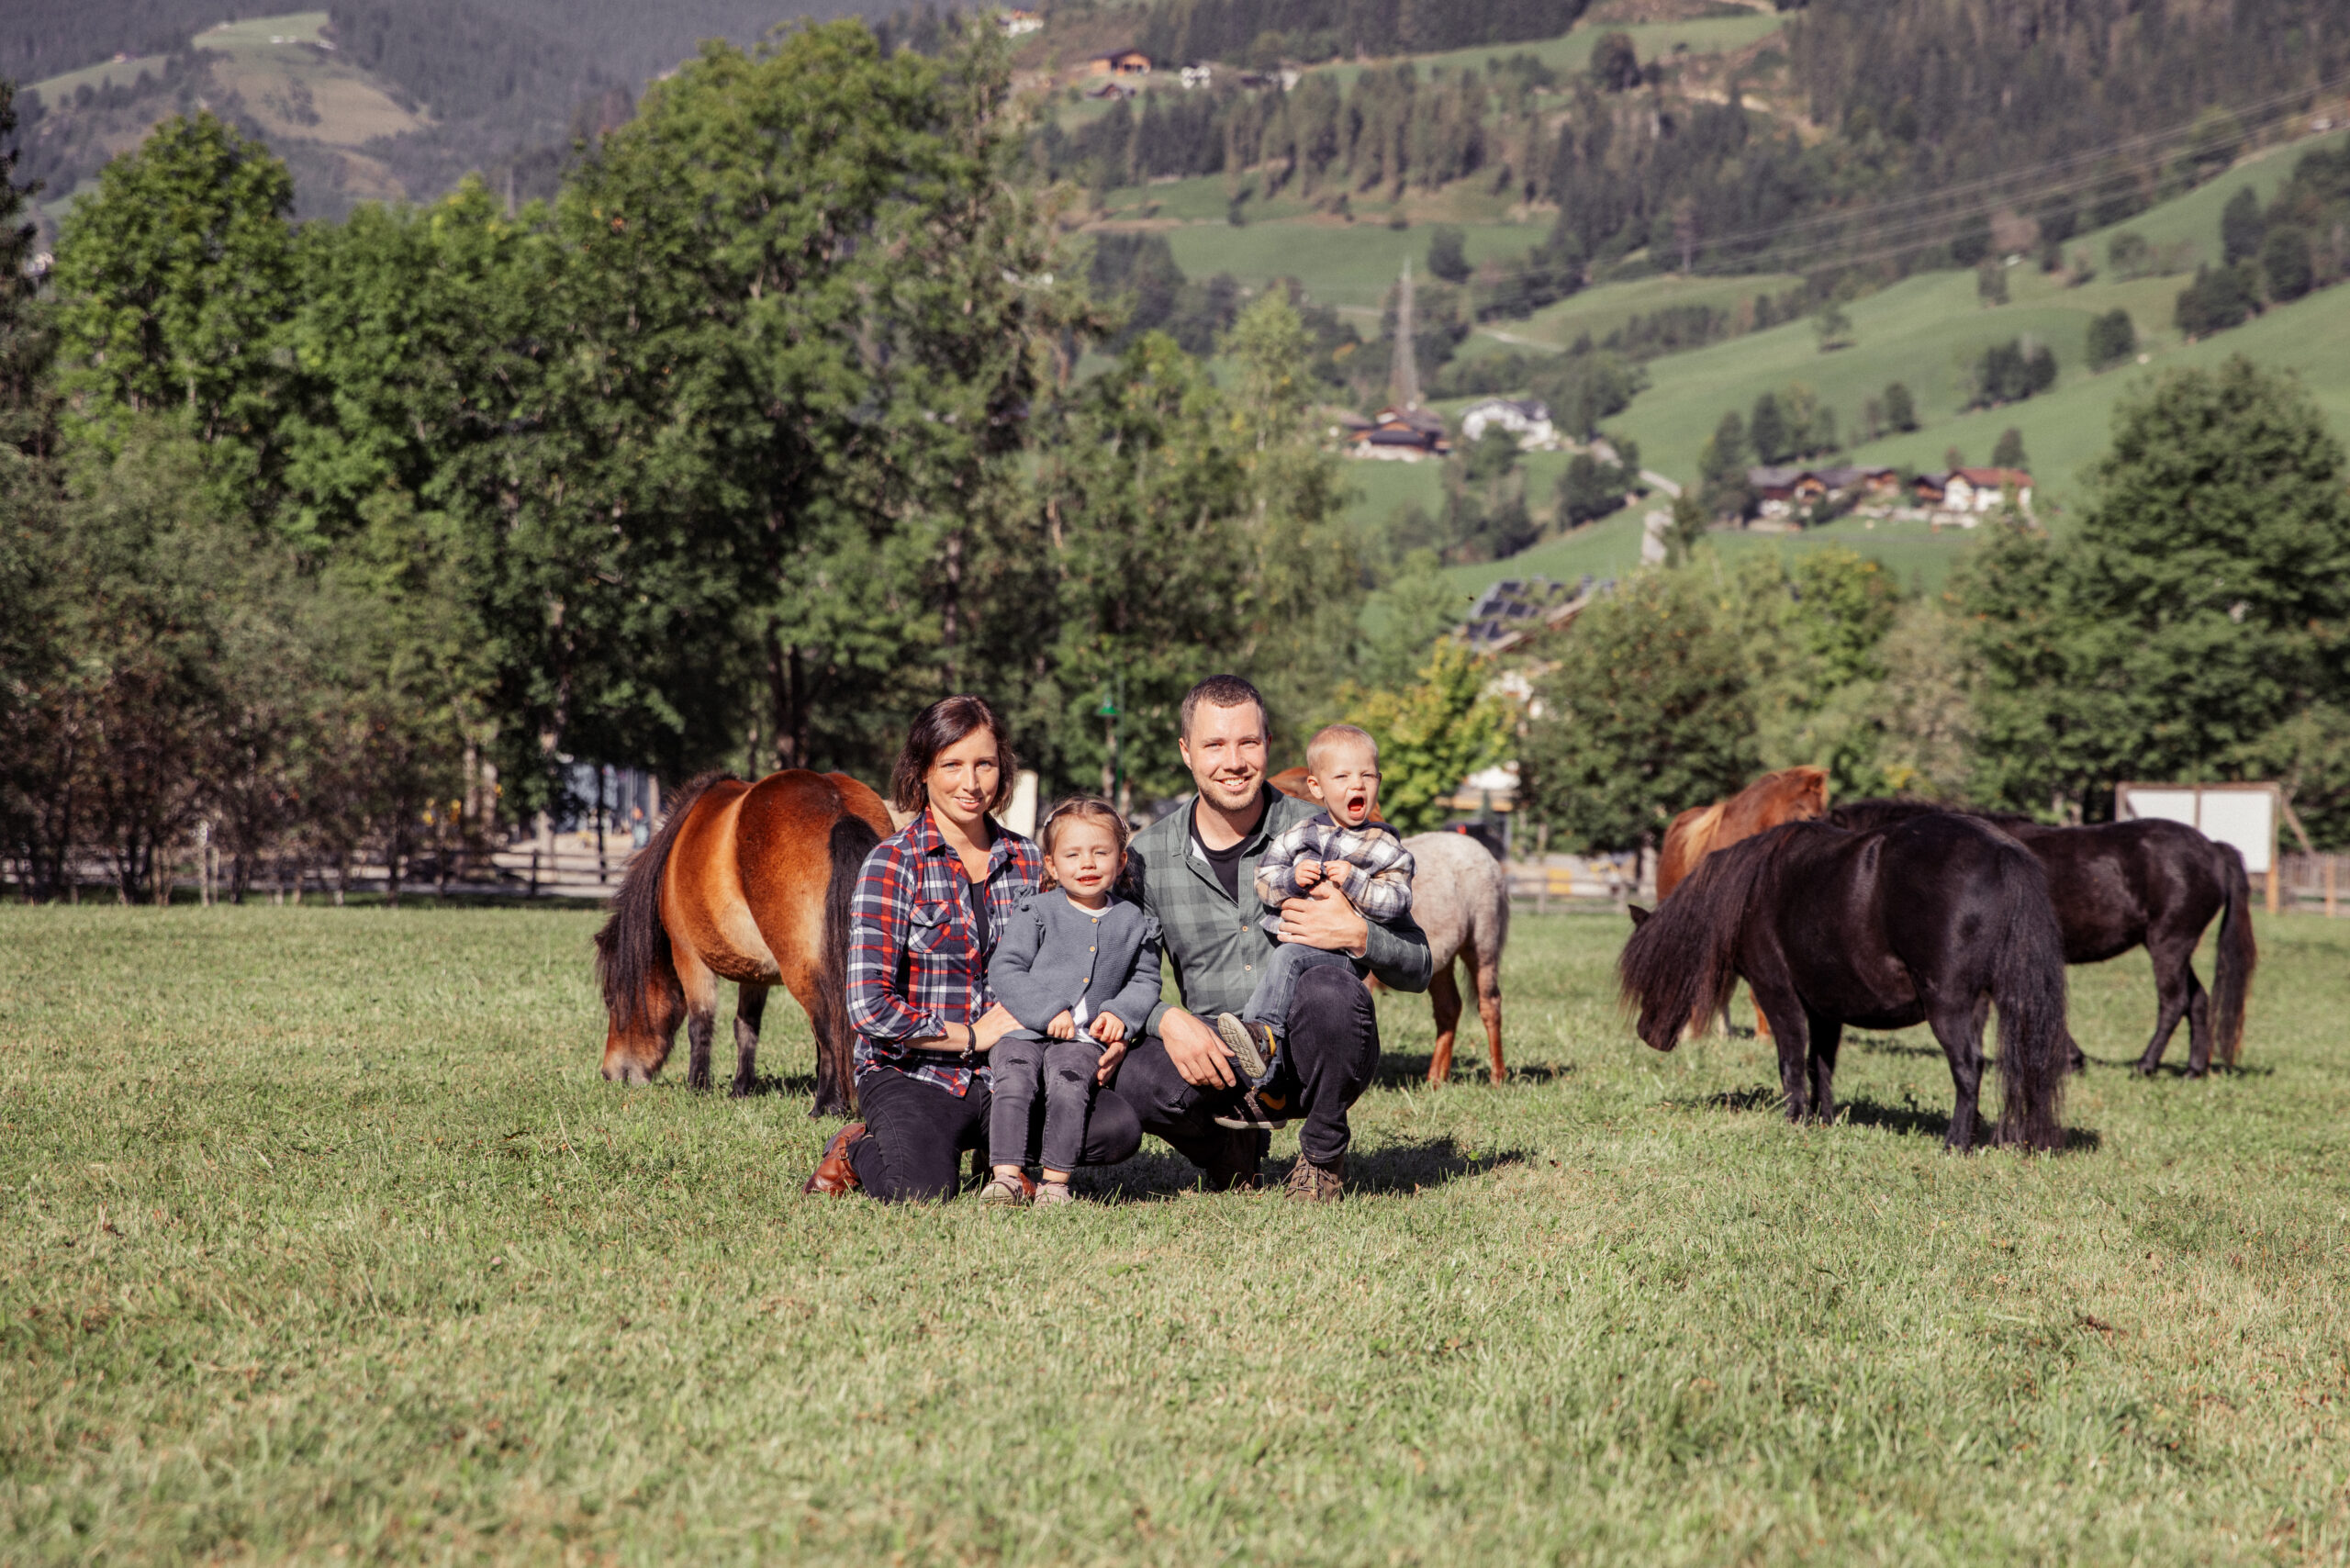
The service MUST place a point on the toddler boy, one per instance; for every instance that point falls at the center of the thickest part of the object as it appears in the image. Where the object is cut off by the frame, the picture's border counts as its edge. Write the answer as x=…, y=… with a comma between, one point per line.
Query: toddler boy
x=1345, y=844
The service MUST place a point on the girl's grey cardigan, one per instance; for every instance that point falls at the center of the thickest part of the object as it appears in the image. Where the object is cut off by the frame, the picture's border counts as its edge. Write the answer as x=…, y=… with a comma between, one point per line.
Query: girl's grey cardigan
x=1053, y=955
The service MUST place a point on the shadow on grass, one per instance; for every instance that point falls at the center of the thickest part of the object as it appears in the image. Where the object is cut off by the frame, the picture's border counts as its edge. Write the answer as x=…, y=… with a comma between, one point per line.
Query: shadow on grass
x=1396, y=1168
x=1892, y=1046
x=1406, y=1070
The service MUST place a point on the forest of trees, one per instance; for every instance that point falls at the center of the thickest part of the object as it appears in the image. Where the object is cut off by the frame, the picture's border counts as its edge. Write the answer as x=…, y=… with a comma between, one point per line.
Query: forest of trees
x=1265, y=32
x=342, y=538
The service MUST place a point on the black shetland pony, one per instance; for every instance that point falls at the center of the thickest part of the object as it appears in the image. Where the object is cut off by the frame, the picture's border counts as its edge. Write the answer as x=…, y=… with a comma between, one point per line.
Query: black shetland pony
x=1931, y=921
x=2120, y=884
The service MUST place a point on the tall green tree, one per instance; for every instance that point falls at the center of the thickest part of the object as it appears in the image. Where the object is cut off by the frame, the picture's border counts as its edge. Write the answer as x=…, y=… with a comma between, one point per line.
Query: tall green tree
x=1648, y=712
x=1432, y=734
x=794, y=339
x=2203, y=604
x=173, y=284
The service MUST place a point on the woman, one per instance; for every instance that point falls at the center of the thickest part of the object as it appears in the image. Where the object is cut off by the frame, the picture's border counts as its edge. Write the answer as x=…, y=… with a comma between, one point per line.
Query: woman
x=929, y=906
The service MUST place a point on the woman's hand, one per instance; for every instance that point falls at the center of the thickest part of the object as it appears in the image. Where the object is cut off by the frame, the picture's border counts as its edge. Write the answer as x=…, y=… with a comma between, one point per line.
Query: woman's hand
x=991, y=1026
x=1063, y=1026
x=1109, y=1029
x=1111, y=1055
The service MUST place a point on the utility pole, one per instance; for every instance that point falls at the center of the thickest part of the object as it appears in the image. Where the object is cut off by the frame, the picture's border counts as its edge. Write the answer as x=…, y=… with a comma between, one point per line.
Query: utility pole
x=1114, y=773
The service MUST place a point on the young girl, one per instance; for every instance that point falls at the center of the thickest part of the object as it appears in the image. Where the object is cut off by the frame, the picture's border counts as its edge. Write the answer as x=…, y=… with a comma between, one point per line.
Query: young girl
x=1079, y=967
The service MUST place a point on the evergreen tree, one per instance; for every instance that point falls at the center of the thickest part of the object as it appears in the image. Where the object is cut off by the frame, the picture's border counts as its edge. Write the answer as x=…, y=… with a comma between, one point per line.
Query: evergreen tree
x=2288, y=263
x=1900, y=409
x=2242, y=227
x=1767, y=431
x=2113, y=338
x=2008, y=451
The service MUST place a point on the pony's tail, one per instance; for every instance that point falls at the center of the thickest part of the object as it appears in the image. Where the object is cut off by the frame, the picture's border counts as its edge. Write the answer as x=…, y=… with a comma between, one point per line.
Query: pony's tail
x=2028, y=988
x=633, y=957
x=853, y=839
x=2239, y=954
x=1680, y=967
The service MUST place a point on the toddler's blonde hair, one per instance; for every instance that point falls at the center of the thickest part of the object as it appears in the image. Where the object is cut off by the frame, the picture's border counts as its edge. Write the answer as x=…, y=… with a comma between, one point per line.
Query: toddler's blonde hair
x=1331, y=736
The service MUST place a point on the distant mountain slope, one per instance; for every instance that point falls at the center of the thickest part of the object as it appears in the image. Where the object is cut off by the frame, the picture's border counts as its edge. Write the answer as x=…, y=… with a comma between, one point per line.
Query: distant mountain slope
x=370, y=99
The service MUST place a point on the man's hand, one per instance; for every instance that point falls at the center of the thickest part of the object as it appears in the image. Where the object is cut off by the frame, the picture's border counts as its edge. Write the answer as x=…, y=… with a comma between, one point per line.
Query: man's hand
x=1111, y=1055
x=1305, y=873
x=1325, y=919
x=1200, y=1059
x=1108, y=1028
x=1063, y=1026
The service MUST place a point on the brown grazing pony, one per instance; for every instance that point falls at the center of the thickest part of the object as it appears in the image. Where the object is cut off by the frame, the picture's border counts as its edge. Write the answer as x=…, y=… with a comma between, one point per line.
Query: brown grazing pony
x=1460, y=899
x=1792, y=794
x=749, y=883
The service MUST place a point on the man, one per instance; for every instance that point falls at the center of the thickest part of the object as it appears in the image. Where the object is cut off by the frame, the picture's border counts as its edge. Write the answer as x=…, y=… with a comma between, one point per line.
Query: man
x=1197, y=870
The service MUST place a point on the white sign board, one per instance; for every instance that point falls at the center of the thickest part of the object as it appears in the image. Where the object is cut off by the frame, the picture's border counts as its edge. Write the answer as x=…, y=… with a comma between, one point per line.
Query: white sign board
x=2242, y=815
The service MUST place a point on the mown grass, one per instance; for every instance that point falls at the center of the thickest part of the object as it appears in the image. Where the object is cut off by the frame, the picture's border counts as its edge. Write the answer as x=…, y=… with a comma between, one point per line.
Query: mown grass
x=324, y=1241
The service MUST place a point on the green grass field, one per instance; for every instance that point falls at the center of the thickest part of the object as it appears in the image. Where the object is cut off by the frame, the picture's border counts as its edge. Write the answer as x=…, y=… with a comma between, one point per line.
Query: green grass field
x=325, y=1243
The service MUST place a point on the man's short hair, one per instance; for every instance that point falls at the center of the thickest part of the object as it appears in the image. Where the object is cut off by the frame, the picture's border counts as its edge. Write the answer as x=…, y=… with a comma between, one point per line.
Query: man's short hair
x=1223, y=691
x=1329, y=737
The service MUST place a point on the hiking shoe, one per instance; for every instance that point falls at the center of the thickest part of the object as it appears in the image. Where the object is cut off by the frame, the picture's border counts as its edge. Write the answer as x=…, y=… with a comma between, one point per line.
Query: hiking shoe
x=1051, y=1192
x=1312, y=1184
x=1253, y=1113
x=1252, y=1046
x=1009, y=1190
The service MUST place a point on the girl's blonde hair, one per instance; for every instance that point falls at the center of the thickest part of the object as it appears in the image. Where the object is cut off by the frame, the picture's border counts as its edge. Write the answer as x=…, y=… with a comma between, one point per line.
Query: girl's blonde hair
x=1076, y=808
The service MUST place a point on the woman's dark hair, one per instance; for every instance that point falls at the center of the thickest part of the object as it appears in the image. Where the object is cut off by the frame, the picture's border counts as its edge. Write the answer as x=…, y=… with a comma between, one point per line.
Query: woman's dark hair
x=938, y=726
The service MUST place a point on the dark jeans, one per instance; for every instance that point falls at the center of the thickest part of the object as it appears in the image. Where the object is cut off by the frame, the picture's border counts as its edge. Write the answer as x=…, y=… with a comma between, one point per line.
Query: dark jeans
x=1331, y=1052
x=1021, y=1063
x=1277, y=991
x=916, y=1134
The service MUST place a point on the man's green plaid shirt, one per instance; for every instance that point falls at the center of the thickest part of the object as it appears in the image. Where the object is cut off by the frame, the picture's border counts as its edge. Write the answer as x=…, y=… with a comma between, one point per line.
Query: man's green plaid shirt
x=1216, y=945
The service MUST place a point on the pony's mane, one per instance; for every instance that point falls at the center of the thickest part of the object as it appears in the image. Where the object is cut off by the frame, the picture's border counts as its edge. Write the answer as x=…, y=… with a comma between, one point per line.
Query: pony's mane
x=632, y=949
x=1681, y=961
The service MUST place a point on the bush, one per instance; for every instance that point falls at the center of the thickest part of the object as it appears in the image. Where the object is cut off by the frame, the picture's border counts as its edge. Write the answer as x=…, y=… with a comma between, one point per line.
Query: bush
x=1447, y=257
x=2113, y=338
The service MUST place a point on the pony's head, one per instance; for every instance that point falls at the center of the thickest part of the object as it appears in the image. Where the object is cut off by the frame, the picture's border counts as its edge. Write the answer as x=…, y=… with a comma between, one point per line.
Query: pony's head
x=1790, y=795
x=643, y=1005
x=1679, y=968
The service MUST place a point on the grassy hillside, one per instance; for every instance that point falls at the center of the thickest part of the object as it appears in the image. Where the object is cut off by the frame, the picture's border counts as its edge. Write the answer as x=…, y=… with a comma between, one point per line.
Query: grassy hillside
x=1925, y=331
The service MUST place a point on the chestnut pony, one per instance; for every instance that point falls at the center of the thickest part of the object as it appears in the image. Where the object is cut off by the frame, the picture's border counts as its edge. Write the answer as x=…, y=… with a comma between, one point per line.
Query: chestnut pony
x=1792, y=794
x=749, y=883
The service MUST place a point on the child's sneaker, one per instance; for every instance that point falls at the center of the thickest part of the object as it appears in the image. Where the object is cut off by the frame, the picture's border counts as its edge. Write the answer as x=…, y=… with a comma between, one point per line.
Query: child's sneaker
x=1051, y=1192
x=1257, y=1110
x=1252, y=1046
x=1010, y=1189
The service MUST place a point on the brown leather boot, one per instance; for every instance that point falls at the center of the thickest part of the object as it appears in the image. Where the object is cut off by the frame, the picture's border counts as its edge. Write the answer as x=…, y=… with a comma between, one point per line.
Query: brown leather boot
x=834, y=1175
x=1312, y=1184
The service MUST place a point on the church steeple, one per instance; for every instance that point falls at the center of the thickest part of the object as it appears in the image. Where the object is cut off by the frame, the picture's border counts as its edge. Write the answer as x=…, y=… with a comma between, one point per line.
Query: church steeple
x=1404, y=371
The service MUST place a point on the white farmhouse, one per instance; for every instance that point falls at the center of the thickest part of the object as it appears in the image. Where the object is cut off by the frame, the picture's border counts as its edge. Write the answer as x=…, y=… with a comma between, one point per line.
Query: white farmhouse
x=1525, y=417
